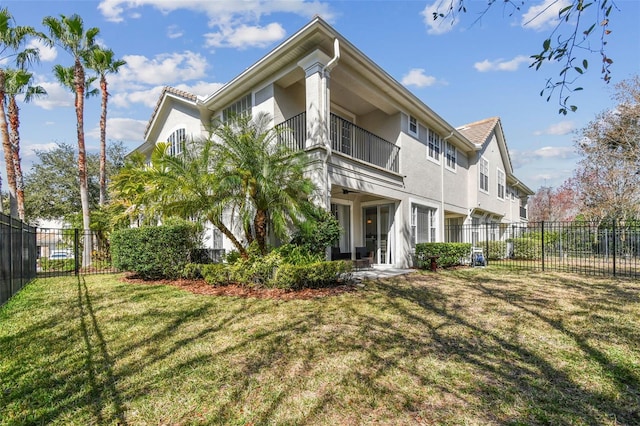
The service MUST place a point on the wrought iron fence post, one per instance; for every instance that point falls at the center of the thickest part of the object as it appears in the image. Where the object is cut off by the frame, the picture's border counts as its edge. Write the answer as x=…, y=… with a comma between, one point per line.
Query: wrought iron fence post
x=614, y=245
x=76, y=251
x=542, y=244
x=486, y=244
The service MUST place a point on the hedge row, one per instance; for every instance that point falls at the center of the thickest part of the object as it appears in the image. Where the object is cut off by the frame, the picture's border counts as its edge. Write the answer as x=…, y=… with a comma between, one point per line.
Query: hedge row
x=273, y=275
x=450, y=254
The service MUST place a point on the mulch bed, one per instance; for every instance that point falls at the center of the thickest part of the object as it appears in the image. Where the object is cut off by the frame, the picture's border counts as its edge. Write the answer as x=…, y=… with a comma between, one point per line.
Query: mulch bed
x=201, y=287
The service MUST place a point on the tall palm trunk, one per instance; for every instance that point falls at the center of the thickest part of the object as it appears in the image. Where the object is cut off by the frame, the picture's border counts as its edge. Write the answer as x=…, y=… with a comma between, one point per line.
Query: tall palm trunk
x=260, y=225
x=82, y=162
x=14, y=138
x=8, y=155
x=103, y=143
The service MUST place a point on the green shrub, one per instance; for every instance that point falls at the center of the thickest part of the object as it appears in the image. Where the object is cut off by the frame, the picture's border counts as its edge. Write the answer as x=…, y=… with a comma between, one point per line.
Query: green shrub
x=322, y=230
x=451, y=254
x=312, y=275
x=64, y=265
x=154, y=252
x=298, y=255
x=527, y=248
x=192, y=271
x=216, y=274
x=497, y=249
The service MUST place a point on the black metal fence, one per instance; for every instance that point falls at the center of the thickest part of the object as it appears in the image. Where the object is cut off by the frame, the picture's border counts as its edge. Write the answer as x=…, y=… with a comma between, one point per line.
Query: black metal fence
x=17, y=256
x=62, y=252
x=605, y=248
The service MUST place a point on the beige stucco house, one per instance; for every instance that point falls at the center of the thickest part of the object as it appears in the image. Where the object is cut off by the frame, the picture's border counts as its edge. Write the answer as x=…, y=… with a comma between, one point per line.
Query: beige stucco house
x=391, y=169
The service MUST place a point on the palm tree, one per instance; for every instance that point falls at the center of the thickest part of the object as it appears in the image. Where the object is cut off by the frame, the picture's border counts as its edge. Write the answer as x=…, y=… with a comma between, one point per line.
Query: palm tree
x=265, y=179
x=69, y=33
x=168, y=185
x=102, y=61
x=18, y=82
x=11, y=40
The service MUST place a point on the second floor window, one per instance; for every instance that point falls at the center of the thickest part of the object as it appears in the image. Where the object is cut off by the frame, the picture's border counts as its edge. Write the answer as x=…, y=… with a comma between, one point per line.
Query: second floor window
x=484, y=174
x=451, y=156
x=176, y=142
x=501, y=184
x=238, y=108
x=413, y=125
x=433, y=150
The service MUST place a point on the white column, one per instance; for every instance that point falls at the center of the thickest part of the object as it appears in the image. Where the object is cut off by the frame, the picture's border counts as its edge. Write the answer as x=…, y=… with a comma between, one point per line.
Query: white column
x=317, y=111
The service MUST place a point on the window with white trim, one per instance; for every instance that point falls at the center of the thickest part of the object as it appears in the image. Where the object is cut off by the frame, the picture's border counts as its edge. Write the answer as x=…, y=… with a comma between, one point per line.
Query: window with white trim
x=413, y=126
x=450, y=153
x=484, y=174
x=435, y=144
x=501, y=184
x=240, y=108
x=176, y=142
x=423, y=225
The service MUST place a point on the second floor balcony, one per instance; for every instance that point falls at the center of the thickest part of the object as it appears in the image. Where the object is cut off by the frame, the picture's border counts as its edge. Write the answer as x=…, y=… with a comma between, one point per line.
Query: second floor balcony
x=347, y=139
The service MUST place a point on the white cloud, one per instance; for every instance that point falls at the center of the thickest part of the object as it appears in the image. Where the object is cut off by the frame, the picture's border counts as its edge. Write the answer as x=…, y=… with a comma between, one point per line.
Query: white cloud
x=544, y=154
x=125, y=129
x=173, y=31
x=543, y=16
x=554, y=152
x=47, y=53
x=30, y=149
x=441, y=25
x=416, y=77
x=235, y=23
x=149, y=97
x=245, y=36
x=501, y=65
x=146, y=97
x=57, y=96
x=219, y=11
x=558, y=129
x=161, y=70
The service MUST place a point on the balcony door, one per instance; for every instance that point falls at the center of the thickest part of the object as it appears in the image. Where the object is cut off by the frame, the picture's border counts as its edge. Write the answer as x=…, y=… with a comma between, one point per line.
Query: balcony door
x=378, y=221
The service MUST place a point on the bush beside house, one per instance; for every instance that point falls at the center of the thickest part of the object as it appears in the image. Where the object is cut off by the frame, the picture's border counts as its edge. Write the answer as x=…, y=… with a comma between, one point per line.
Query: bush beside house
x=154, y=252
x=449, y=254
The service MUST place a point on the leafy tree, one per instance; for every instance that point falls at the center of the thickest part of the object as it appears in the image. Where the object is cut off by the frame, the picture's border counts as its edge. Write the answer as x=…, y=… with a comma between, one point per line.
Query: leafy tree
x=172, y=186
x=578, y=22
x=12, y=38
x=608, y=175
x=264, y=179
x=553, y=205
x=103, y=62
x=52, y=190
x=18, y=82
x=245, y=173
x=69, y=33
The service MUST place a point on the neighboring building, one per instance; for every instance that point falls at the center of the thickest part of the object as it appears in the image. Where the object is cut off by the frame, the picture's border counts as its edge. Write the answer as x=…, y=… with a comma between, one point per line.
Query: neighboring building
x=398, y=172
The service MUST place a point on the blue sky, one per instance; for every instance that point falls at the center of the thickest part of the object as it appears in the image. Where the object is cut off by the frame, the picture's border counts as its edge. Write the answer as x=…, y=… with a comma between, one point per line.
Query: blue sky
x=465, y=71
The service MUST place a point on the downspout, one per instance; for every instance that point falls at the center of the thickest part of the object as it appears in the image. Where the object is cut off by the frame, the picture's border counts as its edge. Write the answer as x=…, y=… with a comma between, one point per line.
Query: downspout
x=326, y=71
x=444, y=150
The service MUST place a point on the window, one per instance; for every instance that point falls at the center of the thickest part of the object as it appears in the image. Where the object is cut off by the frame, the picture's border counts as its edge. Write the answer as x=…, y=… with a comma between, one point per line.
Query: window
x=423, y=225
x=434, y=145
x=176, y=142
x=501, y=184
x=413, y=125
x=239, y=108
x=450, y=152
x=484, y=174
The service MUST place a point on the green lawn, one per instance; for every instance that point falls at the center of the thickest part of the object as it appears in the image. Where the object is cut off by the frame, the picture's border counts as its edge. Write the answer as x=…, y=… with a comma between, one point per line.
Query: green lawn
x=461, y=347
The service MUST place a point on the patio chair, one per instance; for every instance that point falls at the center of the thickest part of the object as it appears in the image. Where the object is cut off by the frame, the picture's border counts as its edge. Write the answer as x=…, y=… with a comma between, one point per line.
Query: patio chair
x=364, y=259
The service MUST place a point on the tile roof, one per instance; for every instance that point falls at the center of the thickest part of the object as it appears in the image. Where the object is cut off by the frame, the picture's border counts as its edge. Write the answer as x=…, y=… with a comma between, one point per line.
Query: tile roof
x=479, y=131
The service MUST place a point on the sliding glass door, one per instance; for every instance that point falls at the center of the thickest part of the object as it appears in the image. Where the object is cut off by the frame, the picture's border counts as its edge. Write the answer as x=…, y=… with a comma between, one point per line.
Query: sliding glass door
x=377, y=232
